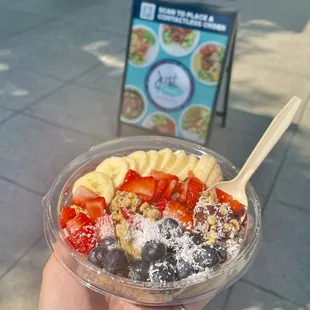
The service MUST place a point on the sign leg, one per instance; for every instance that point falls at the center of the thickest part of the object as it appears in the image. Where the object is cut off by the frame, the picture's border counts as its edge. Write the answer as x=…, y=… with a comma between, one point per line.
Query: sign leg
x=227, y=86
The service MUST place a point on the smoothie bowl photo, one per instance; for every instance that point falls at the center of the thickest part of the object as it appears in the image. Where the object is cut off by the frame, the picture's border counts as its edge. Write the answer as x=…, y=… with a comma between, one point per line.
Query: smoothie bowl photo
x=195, y=122
x=178, y=41
x=207, y=62
x=161, y=123
x=143, y=46
x=133, y=105
x=131, y=218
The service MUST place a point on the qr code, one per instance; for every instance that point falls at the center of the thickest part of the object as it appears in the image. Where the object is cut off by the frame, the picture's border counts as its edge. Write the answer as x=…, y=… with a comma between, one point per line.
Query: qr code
x=147, y=11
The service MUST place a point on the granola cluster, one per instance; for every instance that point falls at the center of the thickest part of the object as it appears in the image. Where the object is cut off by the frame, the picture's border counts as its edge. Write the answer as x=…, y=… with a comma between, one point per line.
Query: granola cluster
x=216, y=222
x=124, y=231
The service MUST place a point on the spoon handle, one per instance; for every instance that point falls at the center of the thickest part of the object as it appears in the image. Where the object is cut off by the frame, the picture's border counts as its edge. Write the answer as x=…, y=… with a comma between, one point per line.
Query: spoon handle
x=271, y=136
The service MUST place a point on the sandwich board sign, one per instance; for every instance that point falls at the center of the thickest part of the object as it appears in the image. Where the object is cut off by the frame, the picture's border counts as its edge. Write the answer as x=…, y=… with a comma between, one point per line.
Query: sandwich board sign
x=177, y=54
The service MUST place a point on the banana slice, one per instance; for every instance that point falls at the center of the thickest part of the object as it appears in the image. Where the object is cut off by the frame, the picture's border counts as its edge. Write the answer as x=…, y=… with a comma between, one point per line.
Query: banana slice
x=116, y=168
x=179, y=164
x=98, y=183
x=132, y=164
x=219, y=178
x=152, y=159
x=140, y=158
x=191, y=164
x=204, y=167
x=167, y=160
x=215, y=176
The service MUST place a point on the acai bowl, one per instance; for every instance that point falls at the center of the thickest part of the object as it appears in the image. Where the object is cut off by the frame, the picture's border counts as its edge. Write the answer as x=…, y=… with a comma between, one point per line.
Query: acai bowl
x=209, y=272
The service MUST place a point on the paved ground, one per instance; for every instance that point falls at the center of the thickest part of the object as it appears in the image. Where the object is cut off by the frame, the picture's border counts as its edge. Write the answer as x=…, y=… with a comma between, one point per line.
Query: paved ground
x=60, y=69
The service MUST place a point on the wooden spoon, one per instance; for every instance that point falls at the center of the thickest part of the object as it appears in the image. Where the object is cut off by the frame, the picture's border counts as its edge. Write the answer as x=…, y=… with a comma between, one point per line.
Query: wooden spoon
x=236, y=187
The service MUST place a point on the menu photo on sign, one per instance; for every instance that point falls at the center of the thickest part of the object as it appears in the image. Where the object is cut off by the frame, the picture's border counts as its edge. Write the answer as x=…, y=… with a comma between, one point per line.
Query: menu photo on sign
x=175, y=58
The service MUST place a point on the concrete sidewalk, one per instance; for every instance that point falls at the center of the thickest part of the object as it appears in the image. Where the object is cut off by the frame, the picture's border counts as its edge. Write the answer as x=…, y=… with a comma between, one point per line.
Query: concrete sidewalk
x=61, y=64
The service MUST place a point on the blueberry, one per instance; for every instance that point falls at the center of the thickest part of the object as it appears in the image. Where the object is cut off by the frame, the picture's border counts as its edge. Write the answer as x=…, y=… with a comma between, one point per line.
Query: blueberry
x=162, y=271
x=220, y=247
x=206, y=257
x=153, y=251
x=139, y=270
x=96, y=256
x=195, y=238
x=184, y=269
x=115, y=261
x=109, y=242
x=171, y=250
x=169, y=228
x=170, y=257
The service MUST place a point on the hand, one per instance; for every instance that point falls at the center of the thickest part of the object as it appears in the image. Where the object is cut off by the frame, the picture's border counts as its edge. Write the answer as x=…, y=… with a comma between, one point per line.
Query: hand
x=61, y=291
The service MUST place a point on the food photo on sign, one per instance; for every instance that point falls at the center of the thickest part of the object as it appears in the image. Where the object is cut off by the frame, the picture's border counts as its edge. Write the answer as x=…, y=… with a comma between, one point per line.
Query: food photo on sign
x=175, y=59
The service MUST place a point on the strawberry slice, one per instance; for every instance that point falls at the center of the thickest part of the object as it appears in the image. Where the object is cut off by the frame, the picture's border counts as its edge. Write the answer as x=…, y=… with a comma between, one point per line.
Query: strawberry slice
x=144, y=186
x=161, y=204
x=161, y=186
x=81, y=195
x=131, y=175
x=159, y=175
x=178, y=212
x=175, y=196
x=78, y=222
x=104, y=227
x=96, y=207
x=195, y=187
x=83, y=240
x=182, y=190
x=222, y=196
x=168, y=192
x=132, y=218
x=235, y=205
x=65, y=215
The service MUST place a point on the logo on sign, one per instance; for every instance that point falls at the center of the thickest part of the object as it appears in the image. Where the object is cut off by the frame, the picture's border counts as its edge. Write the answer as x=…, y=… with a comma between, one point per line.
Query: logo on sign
x=169, y=85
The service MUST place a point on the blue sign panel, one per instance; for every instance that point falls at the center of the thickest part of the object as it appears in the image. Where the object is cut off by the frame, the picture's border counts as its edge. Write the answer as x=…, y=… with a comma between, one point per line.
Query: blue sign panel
x=175, y=58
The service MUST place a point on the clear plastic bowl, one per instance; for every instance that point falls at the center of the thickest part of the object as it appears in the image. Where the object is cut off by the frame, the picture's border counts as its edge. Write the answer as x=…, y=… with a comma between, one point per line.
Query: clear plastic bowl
x=180, y=292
